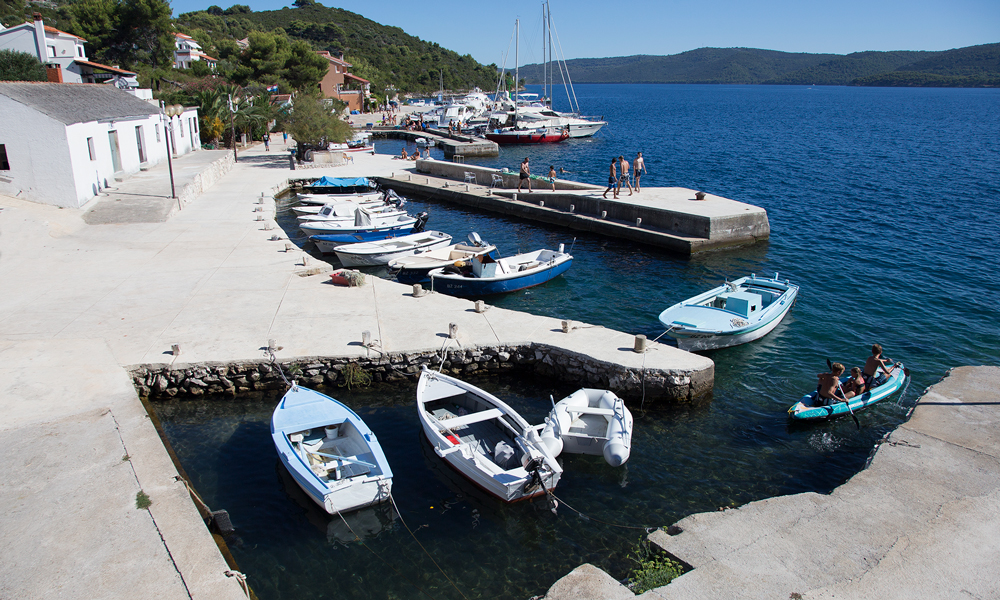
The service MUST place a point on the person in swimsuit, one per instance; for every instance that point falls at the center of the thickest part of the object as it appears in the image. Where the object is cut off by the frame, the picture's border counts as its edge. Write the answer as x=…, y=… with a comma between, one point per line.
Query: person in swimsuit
x=525, y=175
x=855, y=386
x=638, y=168
x=623, y=177
x=876, y=372
x=552, y=177
x=612, y=179
x=829, y=386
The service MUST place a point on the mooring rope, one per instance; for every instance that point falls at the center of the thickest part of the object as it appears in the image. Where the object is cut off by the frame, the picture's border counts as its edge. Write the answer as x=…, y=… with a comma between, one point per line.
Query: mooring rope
x=642, y=370
x=358, y=539
x=646, y=528
x=240, y=577
x=274, y=361
x=194, y=494
x=393, y=500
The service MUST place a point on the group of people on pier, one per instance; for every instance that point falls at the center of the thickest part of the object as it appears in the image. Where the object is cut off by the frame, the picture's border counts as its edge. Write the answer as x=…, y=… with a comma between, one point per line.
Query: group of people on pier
x=623, y=173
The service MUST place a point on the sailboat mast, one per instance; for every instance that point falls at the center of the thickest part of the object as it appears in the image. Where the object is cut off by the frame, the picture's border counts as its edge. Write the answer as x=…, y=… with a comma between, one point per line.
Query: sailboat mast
x=548, y=22
x=517, y=64
x=545, y=64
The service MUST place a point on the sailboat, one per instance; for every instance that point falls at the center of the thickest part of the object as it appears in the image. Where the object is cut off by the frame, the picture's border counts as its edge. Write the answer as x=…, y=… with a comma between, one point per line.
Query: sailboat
x=522, y=135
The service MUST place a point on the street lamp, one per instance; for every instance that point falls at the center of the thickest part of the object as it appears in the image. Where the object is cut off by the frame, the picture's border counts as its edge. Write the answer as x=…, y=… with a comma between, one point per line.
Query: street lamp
x=171, y=111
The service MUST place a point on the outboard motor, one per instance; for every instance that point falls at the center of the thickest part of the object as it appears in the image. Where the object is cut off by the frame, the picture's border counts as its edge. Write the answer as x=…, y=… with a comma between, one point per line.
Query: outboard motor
x=422, y=217
x=475, y=240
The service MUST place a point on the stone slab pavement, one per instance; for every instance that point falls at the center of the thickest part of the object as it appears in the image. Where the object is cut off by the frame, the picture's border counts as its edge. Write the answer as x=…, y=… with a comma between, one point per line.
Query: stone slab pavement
x=85, y=301
x=922, y=521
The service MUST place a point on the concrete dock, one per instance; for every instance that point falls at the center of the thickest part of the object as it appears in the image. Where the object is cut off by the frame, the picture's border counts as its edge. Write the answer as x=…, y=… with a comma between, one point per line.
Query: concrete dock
x=453, y=144
x=87, y=303
x=675, y=219
x=922, y=521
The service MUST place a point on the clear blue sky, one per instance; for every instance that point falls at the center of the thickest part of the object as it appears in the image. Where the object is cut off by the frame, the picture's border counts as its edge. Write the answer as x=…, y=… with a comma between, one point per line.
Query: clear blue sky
x=592, y=29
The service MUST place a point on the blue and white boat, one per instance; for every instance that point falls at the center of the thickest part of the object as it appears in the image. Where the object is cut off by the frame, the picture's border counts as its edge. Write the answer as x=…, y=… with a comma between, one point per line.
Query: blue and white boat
x=363, y=221
x=340, y=185
x=485, y=275
x=734, y=313
x=347, y=212
x=328, y=242
x=329, y=451
x=372, y=254
x=808, y=408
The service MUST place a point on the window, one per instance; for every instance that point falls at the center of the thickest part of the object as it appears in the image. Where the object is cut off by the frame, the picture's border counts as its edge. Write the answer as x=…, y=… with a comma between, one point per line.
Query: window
x=51, y=50
x=79, y=51
x=157, y=127
x=90, y=147
x=4, y=165
x=181, y=123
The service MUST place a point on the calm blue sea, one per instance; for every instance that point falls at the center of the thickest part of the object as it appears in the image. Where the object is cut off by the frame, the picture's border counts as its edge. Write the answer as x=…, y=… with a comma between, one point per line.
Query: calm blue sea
x=884, y=206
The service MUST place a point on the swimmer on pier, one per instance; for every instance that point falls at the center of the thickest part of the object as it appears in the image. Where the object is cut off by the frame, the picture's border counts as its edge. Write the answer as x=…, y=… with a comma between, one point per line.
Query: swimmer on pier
x=612, y=179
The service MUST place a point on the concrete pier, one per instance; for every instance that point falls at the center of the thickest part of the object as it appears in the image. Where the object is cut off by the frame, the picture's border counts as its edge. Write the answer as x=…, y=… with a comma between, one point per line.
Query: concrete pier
x=922, y=521
x=453, y=144
x=674, y=219
x=85, y=304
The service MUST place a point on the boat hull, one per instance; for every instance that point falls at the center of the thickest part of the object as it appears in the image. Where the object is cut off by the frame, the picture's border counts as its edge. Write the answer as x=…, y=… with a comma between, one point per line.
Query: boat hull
x=507, y=138
x=803, y=410
x=328, y=242
x=373, y=254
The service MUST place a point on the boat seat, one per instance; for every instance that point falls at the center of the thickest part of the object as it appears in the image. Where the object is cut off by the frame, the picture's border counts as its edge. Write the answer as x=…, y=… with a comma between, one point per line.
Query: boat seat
x=475, y=417
x=470, y=177
x=586, y=410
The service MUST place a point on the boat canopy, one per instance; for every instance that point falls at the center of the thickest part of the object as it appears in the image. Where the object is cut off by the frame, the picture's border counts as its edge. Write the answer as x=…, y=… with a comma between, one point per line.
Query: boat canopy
x=340, y=182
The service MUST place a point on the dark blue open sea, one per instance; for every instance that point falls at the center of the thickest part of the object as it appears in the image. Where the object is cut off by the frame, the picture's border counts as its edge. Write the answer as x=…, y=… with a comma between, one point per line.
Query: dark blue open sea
x=884, y=206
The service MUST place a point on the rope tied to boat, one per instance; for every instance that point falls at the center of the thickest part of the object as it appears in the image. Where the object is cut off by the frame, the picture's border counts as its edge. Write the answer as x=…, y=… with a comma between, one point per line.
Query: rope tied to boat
x=274, y=361
x=393, y=500
x=642, y=369
x=240, y=577
x=647, y=528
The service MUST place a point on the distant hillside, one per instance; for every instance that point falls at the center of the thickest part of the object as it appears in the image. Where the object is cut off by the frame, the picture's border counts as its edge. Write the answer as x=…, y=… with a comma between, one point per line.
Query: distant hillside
x=974, y=66
x=387, y=56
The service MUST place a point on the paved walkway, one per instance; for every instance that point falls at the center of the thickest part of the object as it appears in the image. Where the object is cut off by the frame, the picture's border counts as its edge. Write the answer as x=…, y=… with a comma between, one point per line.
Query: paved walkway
x=83, y=302
x=923, y=521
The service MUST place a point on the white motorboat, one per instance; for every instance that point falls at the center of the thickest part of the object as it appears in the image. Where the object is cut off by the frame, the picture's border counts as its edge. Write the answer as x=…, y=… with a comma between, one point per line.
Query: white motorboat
x=328, y=198
x=734, y=313
x=313, y=209
x=363, y=220
x=484, y=439
x=484, y=275
x=590, y=421
x=369, y=254
x=415, y=268
x=347, y=211
x=329, y=451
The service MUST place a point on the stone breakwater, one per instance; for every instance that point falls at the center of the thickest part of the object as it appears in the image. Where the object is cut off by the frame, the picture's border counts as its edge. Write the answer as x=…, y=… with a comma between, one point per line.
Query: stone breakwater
x=161, y=382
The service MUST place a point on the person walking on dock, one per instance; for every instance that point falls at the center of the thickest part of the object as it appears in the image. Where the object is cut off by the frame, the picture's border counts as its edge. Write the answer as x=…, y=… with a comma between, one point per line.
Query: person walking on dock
x=612, y=179
x=623, y=178
x=525, y=175
x=552, y=177
x=638, y=168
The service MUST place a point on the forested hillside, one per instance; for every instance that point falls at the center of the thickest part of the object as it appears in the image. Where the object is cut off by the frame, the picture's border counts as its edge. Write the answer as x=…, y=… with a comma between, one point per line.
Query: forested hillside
x=975, y=66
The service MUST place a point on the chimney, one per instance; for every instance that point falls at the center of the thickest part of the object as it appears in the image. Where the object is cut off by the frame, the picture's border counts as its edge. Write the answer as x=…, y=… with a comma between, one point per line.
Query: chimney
x=54, y=73
x=43, y=54
x=341, y=55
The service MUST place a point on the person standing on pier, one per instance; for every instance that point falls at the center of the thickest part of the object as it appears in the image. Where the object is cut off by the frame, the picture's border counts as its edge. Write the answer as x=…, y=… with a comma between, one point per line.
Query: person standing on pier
x=552, y=177
x=638, y=168
x=525, y=175
x=624, y=177
x=612, y=180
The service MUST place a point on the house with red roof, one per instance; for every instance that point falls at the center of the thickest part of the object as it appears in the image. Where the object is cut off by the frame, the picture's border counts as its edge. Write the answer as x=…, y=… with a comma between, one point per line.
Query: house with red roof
x=187, y=51
x=341, y=84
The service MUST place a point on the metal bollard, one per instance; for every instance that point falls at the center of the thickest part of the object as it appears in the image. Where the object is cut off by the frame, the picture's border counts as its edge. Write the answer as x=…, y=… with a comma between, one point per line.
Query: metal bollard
x=638, y=221
x=566, y=326
x=366, y=338
x=541, y=203
x=418, y=290
x=572, y=207
x=640, y=344
x=604, y=214
x=480, y=306
x=453, y=330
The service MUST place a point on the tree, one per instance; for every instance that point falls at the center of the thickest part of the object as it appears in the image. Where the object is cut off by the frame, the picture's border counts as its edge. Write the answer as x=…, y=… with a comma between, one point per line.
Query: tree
x=303, y=3
x=312, y=122
x=20, y=66
x=126, y=32
x=304, y=68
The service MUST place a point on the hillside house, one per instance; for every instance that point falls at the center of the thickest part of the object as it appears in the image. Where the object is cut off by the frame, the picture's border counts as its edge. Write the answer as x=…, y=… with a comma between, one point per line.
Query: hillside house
x=339, y=83
x=186, y=51
x=62, y=54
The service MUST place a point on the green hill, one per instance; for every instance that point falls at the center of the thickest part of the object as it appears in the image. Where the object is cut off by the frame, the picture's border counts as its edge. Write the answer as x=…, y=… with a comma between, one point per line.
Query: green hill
x=962, y=67
x=387, y=56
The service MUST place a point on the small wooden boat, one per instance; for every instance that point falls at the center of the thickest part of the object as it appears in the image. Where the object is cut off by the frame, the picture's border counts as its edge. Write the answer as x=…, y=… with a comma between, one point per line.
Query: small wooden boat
x=590, y=421
x=484, y=439
x=370, y=254
x=414, y=269
x=734, y=313
x=809, y=409
x=485, y=275
x=329, y=451
x=528, y=136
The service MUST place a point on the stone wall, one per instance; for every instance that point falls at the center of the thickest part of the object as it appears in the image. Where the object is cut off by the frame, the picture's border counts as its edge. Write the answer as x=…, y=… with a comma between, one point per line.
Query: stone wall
x=159, y=382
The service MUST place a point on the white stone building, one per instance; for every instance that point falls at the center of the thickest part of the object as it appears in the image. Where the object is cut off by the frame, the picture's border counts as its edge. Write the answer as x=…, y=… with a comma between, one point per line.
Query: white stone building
x=62, y=144
x=186, y=51
x=62, y=54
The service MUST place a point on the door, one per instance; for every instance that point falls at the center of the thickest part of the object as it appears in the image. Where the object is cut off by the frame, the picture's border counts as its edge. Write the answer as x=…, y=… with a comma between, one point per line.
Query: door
x=116, y=156
x=139, y=143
